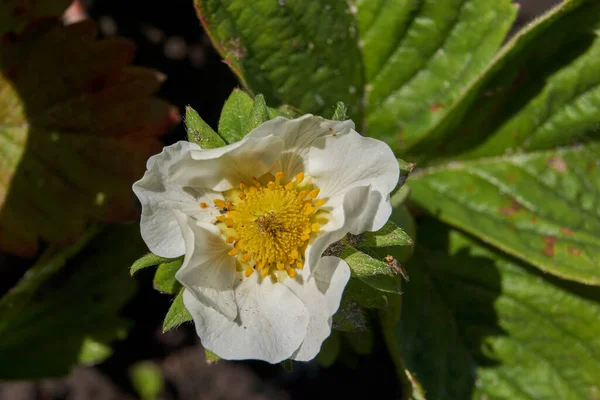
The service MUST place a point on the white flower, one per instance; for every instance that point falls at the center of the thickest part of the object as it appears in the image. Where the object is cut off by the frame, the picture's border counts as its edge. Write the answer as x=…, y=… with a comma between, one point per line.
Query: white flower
x=253, y=219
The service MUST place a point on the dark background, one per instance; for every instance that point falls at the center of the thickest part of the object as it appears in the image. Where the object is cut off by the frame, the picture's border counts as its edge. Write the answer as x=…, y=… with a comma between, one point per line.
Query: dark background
x=169, y=38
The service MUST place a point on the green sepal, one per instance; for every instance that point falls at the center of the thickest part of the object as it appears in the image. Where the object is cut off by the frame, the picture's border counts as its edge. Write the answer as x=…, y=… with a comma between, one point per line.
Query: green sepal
x=287, y=365
x=200, y=132
x=210, y=357
x=164, y=278
x=149, y=260
x=177, y=313
x=390, y=235
x=374, y=272
x=234, y=116
x=258, y=114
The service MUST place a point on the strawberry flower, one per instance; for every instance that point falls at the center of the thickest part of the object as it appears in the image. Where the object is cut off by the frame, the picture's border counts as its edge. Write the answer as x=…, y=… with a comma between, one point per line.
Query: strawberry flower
x=253, y=219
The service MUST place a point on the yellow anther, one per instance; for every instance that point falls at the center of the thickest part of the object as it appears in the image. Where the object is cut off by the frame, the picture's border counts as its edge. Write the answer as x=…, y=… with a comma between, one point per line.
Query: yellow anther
x=242, y=186
x=260, y=265
x=315, y=227
x=265, y=272
x=256, y=182
x=314, y=193
x=253, y=189
x=246, y=257
x=306, y=230
x=230, y=239
x=299, y=264
x=248, y=271
x=233, y=252
x=320, y=202
x=302, y=194
x=289, y=185
x=280, y=266
x=279, y=176
x=221, y=218
x=219, y=203
x=290, y=261
x=291, y=272
x=229, y=205
x=271, y=185
x=294, y=254
x=242, y=196
x=309, y=210
x=229, y=223
x=237, y=244
x=299, y=177
x=203, y=205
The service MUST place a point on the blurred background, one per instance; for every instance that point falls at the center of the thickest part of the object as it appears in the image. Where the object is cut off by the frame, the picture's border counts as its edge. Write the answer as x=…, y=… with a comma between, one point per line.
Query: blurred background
x=170, y=39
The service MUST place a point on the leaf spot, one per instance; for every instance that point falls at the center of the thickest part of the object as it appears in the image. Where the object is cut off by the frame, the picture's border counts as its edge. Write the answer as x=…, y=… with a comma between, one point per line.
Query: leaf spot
x=567, y=231
x=550, y=242
x=512, y=209
x=574, y=250
x=557, y=164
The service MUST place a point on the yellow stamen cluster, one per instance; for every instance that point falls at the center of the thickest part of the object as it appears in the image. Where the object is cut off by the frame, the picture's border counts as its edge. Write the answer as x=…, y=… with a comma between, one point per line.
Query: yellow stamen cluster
x=270, y=223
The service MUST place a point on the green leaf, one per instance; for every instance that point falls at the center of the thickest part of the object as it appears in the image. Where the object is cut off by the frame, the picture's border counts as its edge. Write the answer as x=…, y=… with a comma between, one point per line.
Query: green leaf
x=478, y=324
x=340, y=113
x=148, y=260
x=373, y=272
x=177, y=313
x=521, y=103
x=350, y=317
x=211, y=357
x=164, y=278
x=540, y=207
x=361, y=342
x=420, y=55
x=72, y=145
x=258, y=114
x=61, y=314
x=199, y=132
x=147, y=380
x=294, y=52
x=330, y=350
x=389, y=235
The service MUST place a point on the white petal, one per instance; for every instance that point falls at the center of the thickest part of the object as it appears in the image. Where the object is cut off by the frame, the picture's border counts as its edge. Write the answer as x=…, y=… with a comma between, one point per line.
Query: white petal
x=321, y=293
x=207, y=271
x=164, y=188
x=350, y=216
x=298, y=136
x=225, y=167
x=270, y=326
x=342, y=163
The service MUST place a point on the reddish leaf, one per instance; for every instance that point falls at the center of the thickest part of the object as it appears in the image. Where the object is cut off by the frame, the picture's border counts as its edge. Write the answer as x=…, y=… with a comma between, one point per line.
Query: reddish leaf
x=77, y=124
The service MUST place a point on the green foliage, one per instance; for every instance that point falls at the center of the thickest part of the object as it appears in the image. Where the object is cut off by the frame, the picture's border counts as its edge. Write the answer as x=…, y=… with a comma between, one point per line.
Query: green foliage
x=296, y=52
x=164, y=278
x=177, y=313
x=73, y=136
x=538, y=206
x=147, y=380
x=506, y=140
x=148, y=260
x=199, y=132
x=468, y=303
x=65, y=309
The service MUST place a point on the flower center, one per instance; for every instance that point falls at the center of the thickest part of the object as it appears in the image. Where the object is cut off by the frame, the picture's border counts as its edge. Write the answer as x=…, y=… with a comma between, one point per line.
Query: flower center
x=270, y=225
